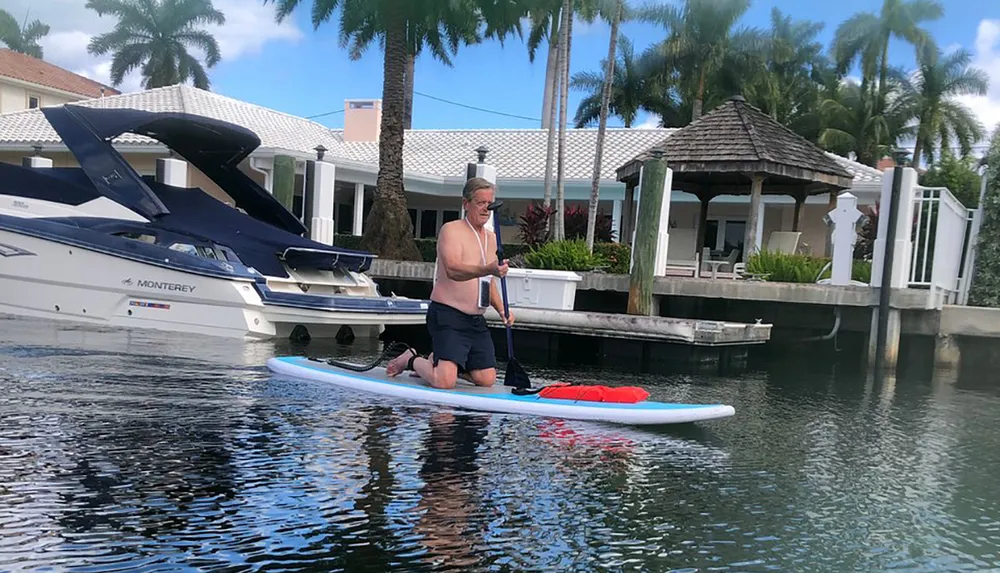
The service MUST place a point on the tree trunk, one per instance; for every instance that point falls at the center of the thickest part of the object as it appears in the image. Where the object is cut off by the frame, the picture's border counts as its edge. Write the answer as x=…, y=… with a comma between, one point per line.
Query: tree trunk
x=566, y=41
x=917, y=147
x=408, y=91
x=389, y=232
x=555, y=39
x=883, y=77
x=595, y=183
x=551, y=66
x=640, y=291
x=699, y=96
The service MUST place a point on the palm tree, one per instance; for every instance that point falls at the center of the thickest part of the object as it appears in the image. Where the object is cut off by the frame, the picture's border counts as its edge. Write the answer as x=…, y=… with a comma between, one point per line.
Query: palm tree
x=786, y=89
x=701, y=43
x=23, y=40
x=941, y=118
x=154, y=36
x=609, y=75
x=852, y=124
x=545, y=17
x=631, y=90
x=399, y=25
x=865, y=36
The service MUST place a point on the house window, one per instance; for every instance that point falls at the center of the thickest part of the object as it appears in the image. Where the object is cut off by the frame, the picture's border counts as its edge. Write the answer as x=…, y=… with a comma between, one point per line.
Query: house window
x=428, y=224
x=34, y=101
x=725, y=235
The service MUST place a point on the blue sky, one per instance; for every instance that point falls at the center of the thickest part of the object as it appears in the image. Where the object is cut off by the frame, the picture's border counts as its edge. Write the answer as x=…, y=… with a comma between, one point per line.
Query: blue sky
x=298, y=70
x=313, y=75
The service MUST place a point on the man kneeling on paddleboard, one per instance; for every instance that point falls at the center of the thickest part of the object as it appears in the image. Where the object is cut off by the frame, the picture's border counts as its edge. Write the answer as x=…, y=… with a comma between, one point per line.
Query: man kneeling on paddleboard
x=463, y=289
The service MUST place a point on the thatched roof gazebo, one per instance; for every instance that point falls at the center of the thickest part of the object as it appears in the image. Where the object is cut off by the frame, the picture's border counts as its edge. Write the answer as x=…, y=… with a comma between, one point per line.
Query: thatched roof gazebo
x=738, y=150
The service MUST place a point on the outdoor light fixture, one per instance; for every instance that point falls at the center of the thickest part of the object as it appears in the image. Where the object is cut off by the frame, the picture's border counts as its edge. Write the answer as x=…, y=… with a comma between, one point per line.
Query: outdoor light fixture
x=320, y=151
x=481, y=152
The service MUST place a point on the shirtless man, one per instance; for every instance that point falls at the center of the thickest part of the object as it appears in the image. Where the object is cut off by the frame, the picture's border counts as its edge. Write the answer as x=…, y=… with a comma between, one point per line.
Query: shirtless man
x=463, y=290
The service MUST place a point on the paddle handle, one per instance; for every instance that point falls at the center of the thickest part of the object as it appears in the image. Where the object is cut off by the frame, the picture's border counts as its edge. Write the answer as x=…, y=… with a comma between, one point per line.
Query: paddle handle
x=503, y=287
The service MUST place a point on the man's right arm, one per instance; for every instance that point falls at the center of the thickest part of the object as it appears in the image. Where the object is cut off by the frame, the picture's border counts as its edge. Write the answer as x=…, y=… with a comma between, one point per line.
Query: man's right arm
x=450, y=252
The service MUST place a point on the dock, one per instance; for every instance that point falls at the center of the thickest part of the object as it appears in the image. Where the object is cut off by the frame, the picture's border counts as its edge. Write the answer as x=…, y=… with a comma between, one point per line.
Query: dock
x=632, y=327
x=745, y=313
x=605, y=338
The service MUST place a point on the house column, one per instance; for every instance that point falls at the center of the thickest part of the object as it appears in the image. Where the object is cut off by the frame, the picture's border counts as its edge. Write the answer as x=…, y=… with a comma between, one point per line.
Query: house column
x=758, y=242
x=172, y=172
x=321, y=185
x=283, y=181
x=616, y=221
x=359, y=208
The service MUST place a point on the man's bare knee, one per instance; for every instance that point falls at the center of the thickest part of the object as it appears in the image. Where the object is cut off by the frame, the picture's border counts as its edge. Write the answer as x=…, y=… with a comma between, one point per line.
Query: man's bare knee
x=485, y=378
x=445, y=375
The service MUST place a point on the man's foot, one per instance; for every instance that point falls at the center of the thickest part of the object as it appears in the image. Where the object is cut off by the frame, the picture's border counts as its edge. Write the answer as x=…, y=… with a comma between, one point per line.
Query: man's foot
x=400, y=363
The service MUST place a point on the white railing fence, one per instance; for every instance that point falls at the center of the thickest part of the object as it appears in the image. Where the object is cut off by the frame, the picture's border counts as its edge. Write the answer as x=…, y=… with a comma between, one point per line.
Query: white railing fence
x=940, y=234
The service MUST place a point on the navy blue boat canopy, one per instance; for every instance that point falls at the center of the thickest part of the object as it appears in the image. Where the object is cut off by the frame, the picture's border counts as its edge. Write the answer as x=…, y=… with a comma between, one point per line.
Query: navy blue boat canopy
x=215, y=147
x=265, y=235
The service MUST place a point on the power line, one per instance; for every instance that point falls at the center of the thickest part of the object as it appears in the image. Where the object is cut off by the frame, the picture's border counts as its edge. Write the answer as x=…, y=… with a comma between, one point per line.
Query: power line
x=444, y=101
x=326, y=113
x=477, y=108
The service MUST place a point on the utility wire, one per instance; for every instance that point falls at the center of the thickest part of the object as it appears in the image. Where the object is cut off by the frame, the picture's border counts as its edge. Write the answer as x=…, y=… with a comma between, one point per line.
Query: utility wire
x=477, y=108
x=445, y=101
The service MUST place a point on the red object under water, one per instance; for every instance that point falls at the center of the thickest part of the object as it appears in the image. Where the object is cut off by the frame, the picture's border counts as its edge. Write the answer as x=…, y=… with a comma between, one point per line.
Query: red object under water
x=621, y=394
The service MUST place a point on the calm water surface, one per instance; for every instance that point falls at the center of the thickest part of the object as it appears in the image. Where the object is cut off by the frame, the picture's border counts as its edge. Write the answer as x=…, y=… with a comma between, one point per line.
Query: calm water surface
x=153, y=452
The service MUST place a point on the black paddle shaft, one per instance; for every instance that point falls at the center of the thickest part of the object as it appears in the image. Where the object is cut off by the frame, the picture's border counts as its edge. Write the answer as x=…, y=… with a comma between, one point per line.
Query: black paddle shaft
x=515, y=375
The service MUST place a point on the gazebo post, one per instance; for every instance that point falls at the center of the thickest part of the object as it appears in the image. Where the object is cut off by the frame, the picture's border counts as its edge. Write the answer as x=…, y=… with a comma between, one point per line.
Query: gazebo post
x=705, y=197
x=750, y=236
x=800, y=199
x=627, y=223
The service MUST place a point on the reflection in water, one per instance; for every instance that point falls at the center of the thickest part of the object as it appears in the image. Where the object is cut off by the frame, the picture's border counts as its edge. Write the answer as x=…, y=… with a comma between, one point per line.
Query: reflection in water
x=137, y=451
x=448, y=504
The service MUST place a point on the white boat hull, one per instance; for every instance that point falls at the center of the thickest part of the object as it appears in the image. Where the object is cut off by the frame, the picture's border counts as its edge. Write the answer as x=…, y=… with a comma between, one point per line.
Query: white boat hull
x=48, y=279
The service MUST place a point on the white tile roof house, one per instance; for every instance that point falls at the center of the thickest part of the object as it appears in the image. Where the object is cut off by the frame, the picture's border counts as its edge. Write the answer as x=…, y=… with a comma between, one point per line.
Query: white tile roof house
x=434, y=161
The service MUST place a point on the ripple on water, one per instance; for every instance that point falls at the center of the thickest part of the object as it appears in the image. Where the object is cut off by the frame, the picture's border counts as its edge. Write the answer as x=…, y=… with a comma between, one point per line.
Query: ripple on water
x=157, y=454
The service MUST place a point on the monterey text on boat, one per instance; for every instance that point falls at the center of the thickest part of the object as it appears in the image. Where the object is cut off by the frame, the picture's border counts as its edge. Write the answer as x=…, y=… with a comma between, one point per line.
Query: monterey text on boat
x=102, y=244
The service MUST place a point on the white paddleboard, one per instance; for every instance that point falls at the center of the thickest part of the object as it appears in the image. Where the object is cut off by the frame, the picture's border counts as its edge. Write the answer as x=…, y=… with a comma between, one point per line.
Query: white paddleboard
x=497, y=398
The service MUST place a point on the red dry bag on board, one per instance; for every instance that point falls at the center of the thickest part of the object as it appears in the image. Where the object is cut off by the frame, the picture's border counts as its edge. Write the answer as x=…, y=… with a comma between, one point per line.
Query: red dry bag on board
x=622, y=394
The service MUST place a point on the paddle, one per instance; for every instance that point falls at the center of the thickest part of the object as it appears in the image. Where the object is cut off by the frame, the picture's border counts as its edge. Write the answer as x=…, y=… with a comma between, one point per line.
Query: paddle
x=515, y=375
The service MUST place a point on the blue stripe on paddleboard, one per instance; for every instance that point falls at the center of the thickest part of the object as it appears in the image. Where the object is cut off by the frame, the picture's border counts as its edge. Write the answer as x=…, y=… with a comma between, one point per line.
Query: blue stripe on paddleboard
x=649, y=405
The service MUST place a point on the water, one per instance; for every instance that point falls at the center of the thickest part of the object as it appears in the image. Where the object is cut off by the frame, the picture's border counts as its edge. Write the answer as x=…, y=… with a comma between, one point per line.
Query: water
x=154, y=452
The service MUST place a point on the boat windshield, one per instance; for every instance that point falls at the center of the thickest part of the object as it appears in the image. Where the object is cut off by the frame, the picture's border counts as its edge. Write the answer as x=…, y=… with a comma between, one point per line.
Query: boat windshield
x=198, y=251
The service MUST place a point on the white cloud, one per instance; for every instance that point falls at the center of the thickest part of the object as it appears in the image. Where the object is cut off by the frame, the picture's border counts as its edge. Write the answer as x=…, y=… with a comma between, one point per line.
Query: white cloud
x=249, y=27
x=987, y=58
x=652, y=121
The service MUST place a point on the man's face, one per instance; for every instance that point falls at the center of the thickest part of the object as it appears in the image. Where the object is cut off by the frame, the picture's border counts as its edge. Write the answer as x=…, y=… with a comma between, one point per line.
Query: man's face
x=477, y=210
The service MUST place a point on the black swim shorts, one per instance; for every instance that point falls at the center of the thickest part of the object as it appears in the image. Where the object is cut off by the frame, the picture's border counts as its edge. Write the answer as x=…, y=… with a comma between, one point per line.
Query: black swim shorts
x=460, y=338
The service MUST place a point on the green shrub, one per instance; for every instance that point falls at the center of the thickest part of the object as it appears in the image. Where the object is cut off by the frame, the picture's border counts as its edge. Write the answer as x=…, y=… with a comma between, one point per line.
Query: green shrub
x=564, y=256
x=617, y=256
x=786, y=268
x=780, y=267
x=862, y=271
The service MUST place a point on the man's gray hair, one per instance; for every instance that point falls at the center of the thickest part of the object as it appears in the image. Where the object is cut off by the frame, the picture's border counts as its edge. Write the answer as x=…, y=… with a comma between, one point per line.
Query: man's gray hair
x=475, y=184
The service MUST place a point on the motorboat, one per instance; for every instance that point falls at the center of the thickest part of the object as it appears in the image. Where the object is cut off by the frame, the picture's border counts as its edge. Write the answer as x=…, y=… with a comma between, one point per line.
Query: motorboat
x=100, y=243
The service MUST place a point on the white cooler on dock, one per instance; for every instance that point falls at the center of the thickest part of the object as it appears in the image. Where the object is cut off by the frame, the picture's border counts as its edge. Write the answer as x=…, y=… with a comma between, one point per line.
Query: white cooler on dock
x=536, y=288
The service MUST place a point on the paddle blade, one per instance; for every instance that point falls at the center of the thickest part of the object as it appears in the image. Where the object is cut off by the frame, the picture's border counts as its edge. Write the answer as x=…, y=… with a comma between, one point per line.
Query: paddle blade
x=516, y=376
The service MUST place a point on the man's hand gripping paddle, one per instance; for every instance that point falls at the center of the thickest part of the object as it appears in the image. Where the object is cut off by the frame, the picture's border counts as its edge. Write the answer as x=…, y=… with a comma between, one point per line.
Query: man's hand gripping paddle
x=515, y=375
